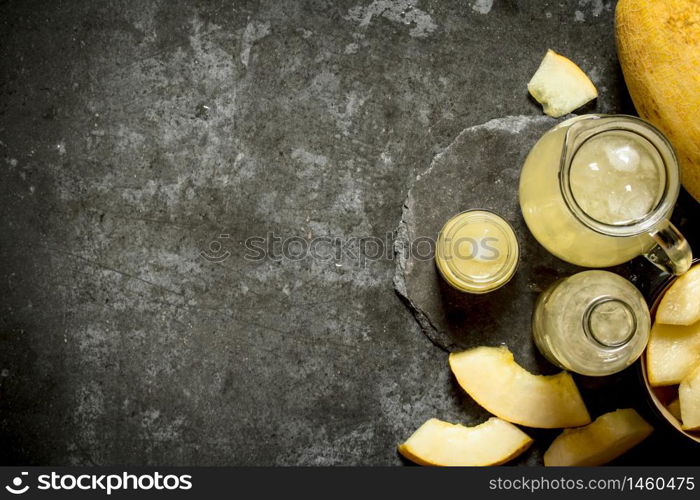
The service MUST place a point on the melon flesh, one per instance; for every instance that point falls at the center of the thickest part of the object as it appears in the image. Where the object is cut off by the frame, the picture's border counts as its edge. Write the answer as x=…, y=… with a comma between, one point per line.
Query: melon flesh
x=672, y=352
x=444, y=444
x=560, y=86
x=658, y=45
x=493, y=379
x=689, y=396
x=608, y=437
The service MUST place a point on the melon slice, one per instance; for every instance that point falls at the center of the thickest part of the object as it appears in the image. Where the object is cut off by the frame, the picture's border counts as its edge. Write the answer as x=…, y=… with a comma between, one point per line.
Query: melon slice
x=440, y=443
x=680, y=304
x=493, y=379
x=608, y=437
x=560, y=86
x=672, y=352
x=689, y=396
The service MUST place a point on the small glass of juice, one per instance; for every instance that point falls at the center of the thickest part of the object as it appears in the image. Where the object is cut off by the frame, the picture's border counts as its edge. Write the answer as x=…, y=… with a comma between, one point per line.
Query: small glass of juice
x=598, y=190
x=477, y=251
x=593, y=323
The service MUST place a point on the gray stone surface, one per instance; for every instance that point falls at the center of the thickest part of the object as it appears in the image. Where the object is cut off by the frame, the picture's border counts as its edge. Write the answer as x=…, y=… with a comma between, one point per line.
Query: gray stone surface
x=135, y=134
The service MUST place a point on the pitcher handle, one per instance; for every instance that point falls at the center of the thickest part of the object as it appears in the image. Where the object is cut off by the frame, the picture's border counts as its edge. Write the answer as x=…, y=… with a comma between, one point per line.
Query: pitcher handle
x=672, y=252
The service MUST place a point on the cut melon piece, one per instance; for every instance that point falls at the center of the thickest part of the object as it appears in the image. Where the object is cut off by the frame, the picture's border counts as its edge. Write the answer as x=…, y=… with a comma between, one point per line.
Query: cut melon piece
x=681, y=303
x=672, y=352
x=444, y=444
x=493, y=379
x=560, y=86
x=608, y=437
x=689, y=396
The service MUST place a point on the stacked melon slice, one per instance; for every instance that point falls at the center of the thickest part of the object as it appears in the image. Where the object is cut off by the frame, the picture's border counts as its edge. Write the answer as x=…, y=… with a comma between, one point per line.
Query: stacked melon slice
x=673, y=354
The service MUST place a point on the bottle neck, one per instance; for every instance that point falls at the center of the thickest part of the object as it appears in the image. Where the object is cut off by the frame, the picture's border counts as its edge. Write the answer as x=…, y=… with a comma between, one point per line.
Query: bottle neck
x=609, y=322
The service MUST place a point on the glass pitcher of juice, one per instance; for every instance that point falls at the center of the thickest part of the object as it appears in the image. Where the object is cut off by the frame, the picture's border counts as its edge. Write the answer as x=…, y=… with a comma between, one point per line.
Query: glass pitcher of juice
x=598, y=190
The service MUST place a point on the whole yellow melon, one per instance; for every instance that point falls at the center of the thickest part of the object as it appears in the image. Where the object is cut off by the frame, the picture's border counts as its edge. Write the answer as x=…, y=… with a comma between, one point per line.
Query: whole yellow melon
x=658, y=44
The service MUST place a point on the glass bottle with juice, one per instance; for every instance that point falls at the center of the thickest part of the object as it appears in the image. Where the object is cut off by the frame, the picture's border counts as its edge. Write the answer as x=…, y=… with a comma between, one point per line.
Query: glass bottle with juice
x=594, y=323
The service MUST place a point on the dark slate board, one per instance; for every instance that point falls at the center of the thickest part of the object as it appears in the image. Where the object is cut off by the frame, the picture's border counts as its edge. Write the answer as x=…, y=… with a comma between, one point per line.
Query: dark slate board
x=480, y=169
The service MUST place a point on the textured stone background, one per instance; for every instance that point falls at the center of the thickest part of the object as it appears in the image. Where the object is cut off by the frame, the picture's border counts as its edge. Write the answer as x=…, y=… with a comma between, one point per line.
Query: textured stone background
x=134, y=134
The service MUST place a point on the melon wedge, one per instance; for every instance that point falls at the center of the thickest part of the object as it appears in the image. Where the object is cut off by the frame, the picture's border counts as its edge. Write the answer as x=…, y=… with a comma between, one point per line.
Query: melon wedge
x=493, y=379
x=672, y=352
x=680, y=304
x=443, y=444
x=689, y=396
x=560, y=86
x=608, y=437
